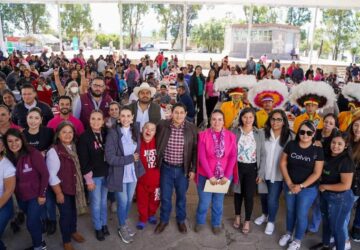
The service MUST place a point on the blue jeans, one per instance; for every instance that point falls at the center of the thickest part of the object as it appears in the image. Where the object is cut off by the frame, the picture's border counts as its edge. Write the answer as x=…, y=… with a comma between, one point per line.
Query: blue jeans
x=347, y=221
x=173, y=177
x=98, y=203
x=315, y=216
x=49, y=210
x=356, y=222
x=334, y=209
x=6, y=213
x=297, y=209
x=32, y=210
x=68, y=217
x=217, y=201
x=270, y=201
x=124, y=200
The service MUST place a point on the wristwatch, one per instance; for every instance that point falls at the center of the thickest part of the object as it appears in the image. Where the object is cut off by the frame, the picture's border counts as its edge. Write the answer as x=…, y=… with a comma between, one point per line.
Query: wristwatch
x=302, y=186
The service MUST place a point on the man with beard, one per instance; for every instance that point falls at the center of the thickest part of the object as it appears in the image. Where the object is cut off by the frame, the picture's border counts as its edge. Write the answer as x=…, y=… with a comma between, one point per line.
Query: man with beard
x=65, y=115
x=144, y=109
x=95, y=98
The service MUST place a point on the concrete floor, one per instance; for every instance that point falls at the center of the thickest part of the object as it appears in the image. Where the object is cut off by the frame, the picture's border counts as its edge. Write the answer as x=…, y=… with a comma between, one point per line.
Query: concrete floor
x=171, y=238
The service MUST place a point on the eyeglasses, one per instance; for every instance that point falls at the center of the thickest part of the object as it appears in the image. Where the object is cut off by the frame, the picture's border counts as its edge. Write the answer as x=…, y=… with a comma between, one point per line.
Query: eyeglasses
x=276, y=120
x=307, y=132
x=98, y=86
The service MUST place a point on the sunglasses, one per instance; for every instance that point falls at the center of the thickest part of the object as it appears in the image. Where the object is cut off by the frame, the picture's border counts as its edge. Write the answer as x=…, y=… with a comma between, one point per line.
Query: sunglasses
x=307, y=132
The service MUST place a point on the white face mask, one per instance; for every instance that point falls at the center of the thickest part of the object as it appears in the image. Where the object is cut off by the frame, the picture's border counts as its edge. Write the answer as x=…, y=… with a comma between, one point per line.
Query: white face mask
x=74, y=90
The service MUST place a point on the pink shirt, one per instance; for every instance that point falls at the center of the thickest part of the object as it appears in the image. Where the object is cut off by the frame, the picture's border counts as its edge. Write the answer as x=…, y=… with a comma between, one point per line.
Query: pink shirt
x=209, y=88
x=54, y=123
x=207, y=159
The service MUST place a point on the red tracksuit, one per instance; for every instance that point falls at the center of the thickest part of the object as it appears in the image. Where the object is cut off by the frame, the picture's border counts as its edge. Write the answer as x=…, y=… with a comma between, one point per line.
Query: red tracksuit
x=148, y=186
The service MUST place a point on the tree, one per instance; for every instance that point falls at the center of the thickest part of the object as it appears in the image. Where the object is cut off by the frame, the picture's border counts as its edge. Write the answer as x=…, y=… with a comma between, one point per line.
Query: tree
x=163, y=16
x=132, y=16
x=76, y=20
x=31, y=18
x=261, y=14
x=298, y=16
x=103, y=40
x=322, y=43
x=340, y=25
x=176, y=21
x=209, y=35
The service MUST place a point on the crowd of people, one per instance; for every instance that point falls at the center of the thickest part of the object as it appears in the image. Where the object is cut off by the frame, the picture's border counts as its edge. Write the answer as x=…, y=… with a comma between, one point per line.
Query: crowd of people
x=78, y=134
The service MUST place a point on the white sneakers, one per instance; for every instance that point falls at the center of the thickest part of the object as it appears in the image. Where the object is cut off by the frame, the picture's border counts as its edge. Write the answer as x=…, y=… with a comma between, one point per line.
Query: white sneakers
x=294, y=245
x=284, y=240
x=269, y=228
x=347, y=246
x=260, y=220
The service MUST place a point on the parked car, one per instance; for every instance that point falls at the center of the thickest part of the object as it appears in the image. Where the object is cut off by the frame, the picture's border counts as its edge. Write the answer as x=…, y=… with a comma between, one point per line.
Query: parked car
x=147, y=47
x=163, y=45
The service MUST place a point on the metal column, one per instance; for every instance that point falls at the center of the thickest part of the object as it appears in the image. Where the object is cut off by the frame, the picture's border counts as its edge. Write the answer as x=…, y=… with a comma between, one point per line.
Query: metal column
x=248, y=40
x=121, y=26
x=313, y=36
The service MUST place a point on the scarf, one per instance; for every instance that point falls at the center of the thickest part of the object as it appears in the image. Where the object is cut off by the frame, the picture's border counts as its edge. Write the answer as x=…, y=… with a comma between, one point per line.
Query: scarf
x=219, y=146
x=80, y=199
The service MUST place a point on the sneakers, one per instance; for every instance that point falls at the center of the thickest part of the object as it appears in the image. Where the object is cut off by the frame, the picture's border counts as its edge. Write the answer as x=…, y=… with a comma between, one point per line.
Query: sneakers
x=347, y=246
x=42, y=247
x=294, y=245
x=140, y=225
x=284, y=240
x=269, y=228
x=260, y=220
x=355, y=234
x=152, y=220
x=124, y=235
x=130, y=231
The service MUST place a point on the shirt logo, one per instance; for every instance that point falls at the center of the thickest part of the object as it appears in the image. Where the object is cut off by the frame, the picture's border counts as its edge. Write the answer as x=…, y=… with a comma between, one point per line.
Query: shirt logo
x=27, y=168
x=300, y=157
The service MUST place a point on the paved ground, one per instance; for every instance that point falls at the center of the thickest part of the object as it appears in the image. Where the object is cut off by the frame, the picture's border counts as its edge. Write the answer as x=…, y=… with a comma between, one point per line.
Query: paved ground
x=171, y=238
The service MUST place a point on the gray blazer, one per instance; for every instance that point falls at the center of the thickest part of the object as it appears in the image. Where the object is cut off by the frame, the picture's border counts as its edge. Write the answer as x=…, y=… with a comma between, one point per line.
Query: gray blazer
x=114, y=154
x=260, y=157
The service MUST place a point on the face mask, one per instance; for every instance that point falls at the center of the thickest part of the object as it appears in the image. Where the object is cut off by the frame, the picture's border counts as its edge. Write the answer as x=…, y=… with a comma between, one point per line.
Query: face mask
x=74, y=90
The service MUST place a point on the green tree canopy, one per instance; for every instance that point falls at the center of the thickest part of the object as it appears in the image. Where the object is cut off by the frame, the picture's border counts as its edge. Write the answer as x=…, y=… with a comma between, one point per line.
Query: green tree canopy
x=261, y=14
x=76, y=20
x=298, y=16
x=31, y=18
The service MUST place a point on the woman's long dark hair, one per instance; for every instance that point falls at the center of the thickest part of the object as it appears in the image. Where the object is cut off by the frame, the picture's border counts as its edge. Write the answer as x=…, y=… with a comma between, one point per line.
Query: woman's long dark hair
x=134, y=131
x=355, y=146
x=346, y=137
x=244, y=112
x=24, y=149
x=310, y=125
x=208, y=77
x=285, y=130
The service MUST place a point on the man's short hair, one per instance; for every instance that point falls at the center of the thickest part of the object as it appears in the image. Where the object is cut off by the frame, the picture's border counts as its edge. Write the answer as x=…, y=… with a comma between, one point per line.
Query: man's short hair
x=65, y=97
x=28, y=86
x=178, y=104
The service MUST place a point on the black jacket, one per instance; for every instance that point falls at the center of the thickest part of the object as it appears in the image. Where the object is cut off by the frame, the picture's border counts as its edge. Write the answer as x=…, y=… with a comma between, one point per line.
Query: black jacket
x=194, y=88
x=20, y=112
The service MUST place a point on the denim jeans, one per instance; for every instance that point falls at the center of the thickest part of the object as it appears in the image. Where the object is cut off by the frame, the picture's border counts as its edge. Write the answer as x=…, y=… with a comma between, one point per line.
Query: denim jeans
x=6, y=213
x=205, y=198
x=270, y=201
x=347, y=221
x=68, y=217
x=315, y=216
x=124, y=200
x=297, y=209
x=32, y=210
x=334, y=209
x=356, y=222
x=49, y=210
x=173, y=177
x=98, y=203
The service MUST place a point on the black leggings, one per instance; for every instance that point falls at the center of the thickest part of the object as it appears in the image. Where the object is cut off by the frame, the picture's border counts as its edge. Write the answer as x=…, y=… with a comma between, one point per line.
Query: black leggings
x=210, y=105
x=247, y=177
x=200, y=106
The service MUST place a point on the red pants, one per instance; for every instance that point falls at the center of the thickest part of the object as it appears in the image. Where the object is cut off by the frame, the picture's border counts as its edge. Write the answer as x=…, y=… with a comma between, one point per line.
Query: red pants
x=148, y=201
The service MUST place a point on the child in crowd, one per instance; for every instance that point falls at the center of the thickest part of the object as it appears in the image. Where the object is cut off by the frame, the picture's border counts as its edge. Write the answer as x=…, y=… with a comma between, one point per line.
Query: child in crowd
x=148, y=187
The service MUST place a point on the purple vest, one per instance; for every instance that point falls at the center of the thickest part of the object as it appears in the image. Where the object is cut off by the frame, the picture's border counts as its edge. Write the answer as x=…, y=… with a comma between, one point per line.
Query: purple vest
x=87, y=106
x=67, y=171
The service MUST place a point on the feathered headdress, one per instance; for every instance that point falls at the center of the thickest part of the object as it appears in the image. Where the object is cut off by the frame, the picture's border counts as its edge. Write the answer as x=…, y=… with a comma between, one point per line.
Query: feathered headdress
x=351, y=91
x=225, y=83
x=268, y=90
x=319, y=93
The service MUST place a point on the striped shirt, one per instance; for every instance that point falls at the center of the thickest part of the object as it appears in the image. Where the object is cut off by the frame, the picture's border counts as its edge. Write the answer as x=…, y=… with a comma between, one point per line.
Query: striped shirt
x=174, y=151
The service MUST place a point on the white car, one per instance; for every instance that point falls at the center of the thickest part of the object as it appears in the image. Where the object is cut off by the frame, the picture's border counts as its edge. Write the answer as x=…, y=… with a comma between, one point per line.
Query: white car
x=163, y=45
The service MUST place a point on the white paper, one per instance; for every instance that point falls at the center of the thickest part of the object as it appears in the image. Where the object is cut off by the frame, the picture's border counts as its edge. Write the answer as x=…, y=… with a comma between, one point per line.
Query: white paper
x=216, y=188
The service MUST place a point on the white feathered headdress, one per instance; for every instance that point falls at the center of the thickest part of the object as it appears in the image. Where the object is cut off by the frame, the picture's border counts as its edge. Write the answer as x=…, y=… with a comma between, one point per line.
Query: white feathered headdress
x=351, y=91
x=268, y=89
x=317, y=92
x=225, y=83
